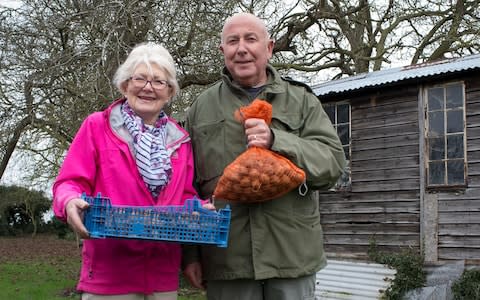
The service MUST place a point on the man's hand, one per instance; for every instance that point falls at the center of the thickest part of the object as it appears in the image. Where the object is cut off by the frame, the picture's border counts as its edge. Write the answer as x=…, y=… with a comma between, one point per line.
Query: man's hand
x=193, y=273
x=74, y=211
x=258, y=133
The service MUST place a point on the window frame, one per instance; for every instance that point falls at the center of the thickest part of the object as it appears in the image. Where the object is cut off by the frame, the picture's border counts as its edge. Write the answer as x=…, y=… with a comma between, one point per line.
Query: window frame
x=445, y=134
x=347, y=185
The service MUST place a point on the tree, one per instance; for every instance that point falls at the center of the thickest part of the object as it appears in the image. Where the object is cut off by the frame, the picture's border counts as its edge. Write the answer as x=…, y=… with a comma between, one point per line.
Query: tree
x=21, y=209
x=46, y=90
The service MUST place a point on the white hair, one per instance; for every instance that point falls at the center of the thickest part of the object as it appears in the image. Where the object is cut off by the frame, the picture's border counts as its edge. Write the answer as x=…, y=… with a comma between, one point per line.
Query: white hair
x=148, y=54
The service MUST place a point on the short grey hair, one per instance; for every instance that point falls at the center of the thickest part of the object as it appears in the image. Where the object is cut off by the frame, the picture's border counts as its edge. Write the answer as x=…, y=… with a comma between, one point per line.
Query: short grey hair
x=245, y=15
x=148, y=54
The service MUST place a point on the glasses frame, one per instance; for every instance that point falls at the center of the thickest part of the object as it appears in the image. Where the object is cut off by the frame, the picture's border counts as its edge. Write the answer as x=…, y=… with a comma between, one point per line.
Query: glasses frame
x=136, y=79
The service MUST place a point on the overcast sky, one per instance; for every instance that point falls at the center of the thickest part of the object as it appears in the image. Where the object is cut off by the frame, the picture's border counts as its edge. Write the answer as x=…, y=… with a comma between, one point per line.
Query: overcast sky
x=10, y=3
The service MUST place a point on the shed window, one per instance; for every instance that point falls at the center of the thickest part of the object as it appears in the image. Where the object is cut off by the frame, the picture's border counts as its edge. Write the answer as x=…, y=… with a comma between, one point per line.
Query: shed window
x=445, y=114
x=339, y=115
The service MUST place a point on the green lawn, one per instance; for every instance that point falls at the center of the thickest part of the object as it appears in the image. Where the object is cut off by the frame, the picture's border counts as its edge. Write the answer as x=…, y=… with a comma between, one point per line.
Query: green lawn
x=46, y=268
x=45, y=281
x=36, y=281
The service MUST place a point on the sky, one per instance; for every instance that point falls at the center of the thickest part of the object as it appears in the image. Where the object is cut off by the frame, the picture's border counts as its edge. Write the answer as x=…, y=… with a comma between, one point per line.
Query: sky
x=10, y=3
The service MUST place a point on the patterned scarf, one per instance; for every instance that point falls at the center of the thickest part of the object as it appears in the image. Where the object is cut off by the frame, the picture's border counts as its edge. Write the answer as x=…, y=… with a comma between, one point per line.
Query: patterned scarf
x=153, y=160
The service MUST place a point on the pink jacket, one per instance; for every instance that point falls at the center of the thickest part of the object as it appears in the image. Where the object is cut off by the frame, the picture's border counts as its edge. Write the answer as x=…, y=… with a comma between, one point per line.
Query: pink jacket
x=100, y=161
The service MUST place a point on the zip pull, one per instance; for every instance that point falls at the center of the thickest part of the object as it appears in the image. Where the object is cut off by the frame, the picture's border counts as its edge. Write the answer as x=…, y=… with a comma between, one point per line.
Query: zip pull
x=303, y=188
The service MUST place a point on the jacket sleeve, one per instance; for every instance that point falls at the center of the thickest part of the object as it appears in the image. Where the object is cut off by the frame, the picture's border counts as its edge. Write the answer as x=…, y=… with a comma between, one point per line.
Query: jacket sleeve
x=316, y=148
x=77, y=173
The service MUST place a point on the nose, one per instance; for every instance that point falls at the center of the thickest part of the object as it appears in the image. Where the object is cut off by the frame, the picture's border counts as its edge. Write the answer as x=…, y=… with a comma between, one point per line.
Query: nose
x=148, y=85
x=242, y=46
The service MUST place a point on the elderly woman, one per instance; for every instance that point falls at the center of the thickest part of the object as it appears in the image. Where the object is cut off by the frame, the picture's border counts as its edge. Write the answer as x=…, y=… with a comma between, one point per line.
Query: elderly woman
x=136, y=155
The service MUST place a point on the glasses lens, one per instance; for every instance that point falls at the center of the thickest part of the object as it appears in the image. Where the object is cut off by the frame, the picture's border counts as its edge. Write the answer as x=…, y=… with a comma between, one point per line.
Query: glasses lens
x=139, y=82
x=159, y=84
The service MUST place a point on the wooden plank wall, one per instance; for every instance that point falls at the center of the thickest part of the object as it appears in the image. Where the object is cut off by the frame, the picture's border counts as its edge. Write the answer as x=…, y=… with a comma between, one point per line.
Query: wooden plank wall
x=459, y=211
x=384, y=201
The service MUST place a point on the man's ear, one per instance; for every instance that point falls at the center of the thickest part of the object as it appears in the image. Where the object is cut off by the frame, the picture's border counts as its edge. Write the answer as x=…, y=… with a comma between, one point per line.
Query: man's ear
x=270, y=45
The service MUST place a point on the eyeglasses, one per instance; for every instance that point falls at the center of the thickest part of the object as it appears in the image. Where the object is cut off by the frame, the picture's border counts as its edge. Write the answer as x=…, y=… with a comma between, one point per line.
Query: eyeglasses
x=140, y=82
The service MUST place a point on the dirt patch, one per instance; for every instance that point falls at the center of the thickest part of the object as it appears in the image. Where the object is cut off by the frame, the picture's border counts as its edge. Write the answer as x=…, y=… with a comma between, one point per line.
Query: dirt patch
x=39, y=248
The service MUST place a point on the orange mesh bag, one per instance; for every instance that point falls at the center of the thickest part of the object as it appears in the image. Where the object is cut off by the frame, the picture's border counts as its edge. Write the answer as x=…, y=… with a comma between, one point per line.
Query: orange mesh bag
x=257, y=174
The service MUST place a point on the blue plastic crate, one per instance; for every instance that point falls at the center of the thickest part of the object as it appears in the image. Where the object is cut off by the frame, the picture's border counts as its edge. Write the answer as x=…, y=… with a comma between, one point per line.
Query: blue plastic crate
x=190, y=223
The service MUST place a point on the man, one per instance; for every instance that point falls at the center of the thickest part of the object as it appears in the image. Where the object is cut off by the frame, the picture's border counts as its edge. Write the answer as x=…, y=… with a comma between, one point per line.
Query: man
x=275, y=247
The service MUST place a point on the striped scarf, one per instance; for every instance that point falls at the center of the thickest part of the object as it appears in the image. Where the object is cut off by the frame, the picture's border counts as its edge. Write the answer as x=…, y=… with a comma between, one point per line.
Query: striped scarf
x=149, y=142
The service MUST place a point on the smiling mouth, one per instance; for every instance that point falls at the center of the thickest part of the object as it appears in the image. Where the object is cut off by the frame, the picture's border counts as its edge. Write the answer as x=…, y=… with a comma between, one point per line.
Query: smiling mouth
x=146, y=98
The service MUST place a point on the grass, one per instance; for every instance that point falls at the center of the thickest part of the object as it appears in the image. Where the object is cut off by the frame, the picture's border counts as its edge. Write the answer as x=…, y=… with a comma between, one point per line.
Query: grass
x=47, y=268
x=36, y=281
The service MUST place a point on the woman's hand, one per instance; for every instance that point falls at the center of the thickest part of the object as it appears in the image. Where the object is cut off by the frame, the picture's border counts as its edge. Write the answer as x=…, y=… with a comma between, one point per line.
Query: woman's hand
x=74, y=211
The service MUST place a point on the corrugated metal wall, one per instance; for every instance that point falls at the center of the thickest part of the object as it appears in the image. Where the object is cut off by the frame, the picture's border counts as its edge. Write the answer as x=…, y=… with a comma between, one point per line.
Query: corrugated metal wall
x=352, y=280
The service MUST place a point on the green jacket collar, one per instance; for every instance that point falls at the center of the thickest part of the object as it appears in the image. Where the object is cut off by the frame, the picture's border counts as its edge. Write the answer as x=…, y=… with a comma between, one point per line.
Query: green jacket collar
x=275, y=84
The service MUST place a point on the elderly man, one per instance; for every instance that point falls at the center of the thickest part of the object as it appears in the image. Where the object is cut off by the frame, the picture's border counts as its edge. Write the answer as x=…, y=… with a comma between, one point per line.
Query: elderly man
x=275, y=247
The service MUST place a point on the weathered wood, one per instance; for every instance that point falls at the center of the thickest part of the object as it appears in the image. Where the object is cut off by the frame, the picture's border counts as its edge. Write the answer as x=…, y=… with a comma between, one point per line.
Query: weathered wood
x=400, y=151
x=384, y=163
x=459, y=205
x=387, y=174
x=389, y=218
x=374, y=207
x=465, y=217
x=459, y=229
x=471, y=131
x=474, y=167
x=379, y=132
x=463, y=194
x=385, y=201
x=386, y=119
x=360, y=239
x=455, y=241
x=474, y=180
x=386, y=142
x=383, y=196
x=370, y=229
x=458, y=253
x=394, y=185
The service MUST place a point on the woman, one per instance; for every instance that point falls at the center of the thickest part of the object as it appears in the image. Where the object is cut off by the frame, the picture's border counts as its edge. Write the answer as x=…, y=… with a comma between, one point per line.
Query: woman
x=136, y=155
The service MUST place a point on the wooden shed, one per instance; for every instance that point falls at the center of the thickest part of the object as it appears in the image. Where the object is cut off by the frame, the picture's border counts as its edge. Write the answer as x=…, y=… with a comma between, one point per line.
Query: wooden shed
x=412, y=139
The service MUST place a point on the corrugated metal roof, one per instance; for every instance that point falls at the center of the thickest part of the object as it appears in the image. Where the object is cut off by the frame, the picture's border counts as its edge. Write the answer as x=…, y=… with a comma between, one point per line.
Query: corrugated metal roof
x=393, y=75
x=352, y=280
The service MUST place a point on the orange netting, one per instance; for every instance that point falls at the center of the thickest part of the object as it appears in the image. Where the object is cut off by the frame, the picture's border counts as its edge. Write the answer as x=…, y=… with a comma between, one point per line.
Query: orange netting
x=258, y=174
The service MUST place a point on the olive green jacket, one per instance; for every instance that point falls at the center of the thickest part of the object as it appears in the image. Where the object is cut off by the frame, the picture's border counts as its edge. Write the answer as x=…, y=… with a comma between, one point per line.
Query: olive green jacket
x=280, y=238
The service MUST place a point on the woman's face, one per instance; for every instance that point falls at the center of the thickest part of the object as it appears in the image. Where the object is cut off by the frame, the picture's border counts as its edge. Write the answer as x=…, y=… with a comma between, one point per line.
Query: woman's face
x=147, y=92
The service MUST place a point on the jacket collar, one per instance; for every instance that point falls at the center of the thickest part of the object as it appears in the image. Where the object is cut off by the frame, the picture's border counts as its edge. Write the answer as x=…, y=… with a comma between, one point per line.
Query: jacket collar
x=273, y=86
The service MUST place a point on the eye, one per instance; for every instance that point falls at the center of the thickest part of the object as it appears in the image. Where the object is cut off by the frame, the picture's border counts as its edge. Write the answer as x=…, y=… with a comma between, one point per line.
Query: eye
x=138, y=78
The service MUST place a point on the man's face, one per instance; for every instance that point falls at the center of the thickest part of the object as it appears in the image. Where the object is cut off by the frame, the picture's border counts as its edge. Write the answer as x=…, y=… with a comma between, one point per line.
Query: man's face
x=247, y=50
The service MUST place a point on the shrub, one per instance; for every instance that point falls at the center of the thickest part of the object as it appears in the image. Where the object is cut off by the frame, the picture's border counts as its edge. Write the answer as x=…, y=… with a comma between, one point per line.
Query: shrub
x=467, y=287
x=409, y=265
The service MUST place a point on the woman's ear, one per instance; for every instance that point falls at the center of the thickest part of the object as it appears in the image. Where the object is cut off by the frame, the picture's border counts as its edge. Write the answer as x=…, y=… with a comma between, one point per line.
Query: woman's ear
x=123, y=87
x=171, y=93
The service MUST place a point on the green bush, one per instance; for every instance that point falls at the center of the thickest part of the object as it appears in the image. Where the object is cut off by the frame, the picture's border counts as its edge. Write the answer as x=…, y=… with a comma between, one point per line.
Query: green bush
x=467, y=287
x=409, y=265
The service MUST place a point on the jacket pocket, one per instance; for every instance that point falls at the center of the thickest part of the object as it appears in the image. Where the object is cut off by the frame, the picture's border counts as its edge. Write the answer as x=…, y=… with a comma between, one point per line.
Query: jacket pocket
x=208, y=142
x=291, y=123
